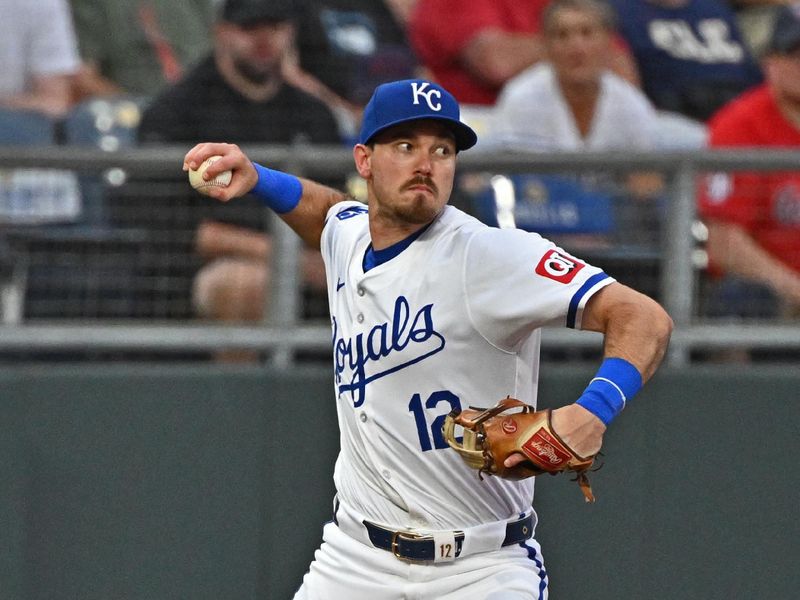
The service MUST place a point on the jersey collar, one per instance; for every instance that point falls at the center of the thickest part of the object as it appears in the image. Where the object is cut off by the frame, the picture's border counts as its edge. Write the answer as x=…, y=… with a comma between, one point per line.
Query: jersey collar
x=374, y=258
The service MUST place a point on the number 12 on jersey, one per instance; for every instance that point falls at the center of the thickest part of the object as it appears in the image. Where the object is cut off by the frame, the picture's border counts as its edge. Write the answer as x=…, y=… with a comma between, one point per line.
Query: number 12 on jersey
x=430, y=436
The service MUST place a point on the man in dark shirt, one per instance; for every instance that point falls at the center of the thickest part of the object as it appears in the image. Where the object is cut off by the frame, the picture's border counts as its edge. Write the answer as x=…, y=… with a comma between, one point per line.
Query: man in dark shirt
x=237, y=94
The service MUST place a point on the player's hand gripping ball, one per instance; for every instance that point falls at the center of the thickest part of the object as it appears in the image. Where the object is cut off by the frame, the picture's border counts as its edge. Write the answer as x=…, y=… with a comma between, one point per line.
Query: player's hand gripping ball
x=490, y=436
x=201, y=185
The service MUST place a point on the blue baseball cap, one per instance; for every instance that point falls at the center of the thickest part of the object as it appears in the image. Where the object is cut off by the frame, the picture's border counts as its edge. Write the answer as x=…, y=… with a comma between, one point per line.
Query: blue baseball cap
x=410, y=100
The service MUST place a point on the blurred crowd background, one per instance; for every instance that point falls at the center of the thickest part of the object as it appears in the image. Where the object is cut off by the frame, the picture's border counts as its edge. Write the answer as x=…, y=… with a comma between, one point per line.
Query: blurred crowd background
x=618, y=76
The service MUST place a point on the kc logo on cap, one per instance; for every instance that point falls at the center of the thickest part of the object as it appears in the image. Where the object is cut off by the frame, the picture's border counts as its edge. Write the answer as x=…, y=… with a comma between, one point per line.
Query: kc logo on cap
x=419, y=90
x=410, y=100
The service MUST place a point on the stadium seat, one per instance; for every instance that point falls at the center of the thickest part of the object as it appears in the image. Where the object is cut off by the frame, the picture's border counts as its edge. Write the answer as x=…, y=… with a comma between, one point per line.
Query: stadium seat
x=24, y=128
x=82, y=267
x=547, y=204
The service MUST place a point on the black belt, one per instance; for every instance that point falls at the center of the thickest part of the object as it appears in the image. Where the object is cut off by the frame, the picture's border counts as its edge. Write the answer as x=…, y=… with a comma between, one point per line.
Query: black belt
x=412, y=546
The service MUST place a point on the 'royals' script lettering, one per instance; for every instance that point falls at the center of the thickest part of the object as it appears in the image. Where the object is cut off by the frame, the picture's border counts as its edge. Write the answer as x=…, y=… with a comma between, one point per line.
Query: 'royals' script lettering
x=413, y=337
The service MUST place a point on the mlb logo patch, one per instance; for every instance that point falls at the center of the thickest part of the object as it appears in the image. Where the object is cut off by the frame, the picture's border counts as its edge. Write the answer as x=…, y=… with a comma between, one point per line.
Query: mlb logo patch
x=558, y=266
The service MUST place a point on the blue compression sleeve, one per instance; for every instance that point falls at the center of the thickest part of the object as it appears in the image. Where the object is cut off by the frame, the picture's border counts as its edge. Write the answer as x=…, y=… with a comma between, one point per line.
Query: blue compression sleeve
x=616, y=382
x=280, y=191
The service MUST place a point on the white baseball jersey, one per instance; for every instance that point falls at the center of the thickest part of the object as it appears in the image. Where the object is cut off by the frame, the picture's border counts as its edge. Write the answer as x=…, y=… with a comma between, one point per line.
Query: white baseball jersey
x=451, y=321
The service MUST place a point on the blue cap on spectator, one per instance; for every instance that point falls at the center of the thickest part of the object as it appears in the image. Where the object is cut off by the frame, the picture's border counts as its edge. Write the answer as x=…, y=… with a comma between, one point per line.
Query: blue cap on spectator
x=409, y=100
x=786, y=30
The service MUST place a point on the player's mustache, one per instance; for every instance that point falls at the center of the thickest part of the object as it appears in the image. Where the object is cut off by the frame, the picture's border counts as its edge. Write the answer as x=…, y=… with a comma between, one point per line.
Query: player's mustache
x=426, y=181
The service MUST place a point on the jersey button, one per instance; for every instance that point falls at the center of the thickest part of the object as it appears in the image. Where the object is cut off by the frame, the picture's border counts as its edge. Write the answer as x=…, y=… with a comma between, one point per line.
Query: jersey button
x=363, y=417
x=386, y=474
x=360, y=318
x=361, y=291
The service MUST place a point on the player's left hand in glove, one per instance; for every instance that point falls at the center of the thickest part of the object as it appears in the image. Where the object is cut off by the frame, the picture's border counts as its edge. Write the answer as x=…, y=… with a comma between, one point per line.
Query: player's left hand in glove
x=492, y=435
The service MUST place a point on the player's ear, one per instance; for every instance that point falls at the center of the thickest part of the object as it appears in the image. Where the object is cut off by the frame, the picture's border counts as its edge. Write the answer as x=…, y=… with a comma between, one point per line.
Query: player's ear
x=363, y=158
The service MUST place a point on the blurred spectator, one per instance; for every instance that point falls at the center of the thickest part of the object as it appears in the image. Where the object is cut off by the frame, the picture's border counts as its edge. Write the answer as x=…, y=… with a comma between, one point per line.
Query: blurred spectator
x=238, y=94
x=39, y=55
x=756, y=19
x=137, y=47
x=754, y=218
x=347, y=48
x=690, y=53
x=473, y=47
x=572, y=101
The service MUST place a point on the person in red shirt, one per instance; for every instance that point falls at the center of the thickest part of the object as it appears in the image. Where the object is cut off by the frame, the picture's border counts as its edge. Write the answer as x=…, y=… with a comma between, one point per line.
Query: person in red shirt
x=472, y=47
x=753, y=219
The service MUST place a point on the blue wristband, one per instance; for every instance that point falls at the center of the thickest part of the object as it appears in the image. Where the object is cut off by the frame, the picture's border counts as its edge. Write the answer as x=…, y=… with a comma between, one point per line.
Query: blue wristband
x=280, y=191
x=616, y=382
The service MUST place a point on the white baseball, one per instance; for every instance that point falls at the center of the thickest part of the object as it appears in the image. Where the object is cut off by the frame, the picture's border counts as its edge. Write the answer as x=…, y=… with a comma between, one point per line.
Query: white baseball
x=200, y=184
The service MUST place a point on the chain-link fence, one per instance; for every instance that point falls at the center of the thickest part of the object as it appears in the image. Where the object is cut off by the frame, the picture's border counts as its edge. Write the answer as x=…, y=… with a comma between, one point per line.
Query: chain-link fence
x=123, y=268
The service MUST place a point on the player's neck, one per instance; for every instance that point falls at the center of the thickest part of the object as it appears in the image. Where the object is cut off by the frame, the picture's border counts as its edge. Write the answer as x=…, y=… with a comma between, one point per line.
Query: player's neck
x=385, y=233
x=388, y=227
x=374, y=257
x=384, y=237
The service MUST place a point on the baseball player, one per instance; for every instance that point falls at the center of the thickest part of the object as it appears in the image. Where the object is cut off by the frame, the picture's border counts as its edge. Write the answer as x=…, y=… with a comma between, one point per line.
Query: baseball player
x=432, y=311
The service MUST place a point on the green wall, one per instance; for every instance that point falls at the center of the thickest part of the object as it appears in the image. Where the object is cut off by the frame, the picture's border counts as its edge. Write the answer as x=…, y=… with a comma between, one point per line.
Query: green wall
x=198, y=482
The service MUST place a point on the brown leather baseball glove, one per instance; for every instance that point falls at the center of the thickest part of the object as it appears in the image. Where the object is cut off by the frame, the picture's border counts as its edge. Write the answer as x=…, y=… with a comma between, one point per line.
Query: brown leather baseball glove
x=492, y=435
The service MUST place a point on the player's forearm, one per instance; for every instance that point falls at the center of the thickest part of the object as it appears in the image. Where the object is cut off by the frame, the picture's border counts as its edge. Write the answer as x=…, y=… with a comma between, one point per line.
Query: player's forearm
x=638, y=332
x=635, y=327
x=732, y=248
x=303, y=204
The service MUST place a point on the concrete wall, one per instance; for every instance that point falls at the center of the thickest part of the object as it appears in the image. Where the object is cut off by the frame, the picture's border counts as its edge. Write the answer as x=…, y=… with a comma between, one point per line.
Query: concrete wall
x=150, y=483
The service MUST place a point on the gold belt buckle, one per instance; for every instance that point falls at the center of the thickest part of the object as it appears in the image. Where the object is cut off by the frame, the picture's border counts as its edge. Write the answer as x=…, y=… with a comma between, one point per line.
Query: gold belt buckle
x=409, y=535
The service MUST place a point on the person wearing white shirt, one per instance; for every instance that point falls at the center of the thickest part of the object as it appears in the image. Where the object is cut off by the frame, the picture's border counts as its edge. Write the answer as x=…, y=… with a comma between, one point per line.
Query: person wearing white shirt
x=573, y=101
x=541, y=110
x=39, y=53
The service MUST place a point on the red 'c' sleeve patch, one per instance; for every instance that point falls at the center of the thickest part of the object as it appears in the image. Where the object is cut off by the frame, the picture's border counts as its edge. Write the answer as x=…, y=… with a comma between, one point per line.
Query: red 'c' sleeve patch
x=558, y=266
